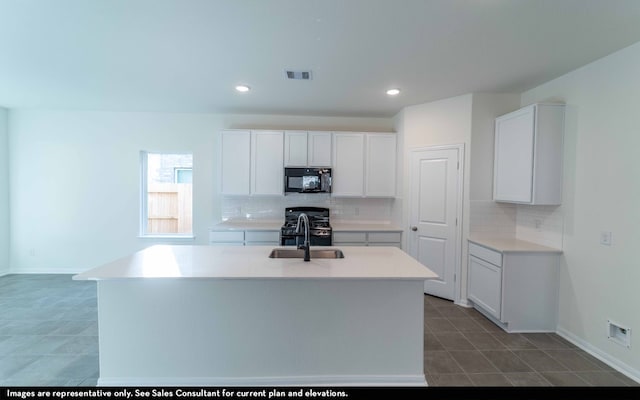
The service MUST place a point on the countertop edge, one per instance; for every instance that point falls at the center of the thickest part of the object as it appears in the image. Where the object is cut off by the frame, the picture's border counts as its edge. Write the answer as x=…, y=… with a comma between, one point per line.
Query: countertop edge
x=275, y=226
x=490, y=244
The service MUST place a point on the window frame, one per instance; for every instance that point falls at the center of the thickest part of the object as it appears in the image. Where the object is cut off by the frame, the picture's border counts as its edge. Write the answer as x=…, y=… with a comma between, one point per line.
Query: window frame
x=144, y=196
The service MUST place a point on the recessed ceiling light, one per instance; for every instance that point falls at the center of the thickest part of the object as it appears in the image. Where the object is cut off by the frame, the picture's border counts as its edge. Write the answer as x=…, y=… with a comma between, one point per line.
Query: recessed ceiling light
x=393, y=92
x=243, y=88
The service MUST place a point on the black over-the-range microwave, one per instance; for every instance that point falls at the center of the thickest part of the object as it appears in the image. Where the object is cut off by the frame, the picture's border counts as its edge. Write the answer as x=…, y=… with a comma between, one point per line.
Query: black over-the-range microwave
x=307, y=180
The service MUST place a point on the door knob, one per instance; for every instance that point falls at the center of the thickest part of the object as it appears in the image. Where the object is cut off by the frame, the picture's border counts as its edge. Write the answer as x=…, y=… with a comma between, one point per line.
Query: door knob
x=414, y=228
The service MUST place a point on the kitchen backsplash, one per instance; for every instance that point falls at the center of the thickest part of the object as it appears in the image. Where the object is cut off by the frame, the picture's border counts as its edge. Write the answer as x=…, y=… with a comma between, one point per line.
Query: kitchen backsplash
x=272, y=208
x=538, y=224
x=492, y=219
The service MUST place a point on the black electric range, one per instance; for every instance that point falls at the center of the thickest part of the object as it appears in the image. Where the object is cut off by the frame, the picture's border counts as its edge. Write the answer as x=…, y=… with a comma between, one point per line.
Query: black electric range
x=320, y=233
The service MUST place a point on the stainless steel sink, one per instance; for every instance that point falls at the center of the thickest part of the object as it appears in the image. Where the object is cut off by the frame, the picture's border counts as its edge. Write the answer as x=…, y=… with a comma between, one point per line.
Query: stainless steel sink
x=295, y=253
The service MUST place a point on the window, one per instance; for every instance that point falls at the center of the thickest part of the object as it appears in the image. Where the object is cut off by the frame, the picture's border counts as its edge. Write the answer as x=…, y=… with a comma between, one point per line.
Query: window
x=166, y=199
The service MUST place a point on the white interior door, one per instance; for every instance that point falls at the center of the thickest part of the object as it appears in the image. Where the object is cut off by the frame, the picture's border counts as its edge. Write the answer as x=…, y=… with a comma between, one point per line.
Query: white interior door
x=435, y=206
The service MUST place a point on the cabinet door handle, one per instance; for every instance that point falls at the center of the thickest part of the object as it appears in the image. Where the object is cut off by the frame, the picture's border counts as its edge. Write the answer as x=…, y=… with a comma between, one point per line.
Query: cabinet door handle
x=414, y=228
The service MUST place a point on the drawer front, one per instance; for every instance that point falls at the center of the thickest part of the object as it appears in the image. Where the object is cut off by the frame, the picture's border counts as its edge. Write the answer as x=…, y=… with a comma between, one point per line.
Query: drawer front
x=350, y=237
x=226, y=244
x=485, y=285
x=384, y=237
x=494, y=257
x=226, y=236
x=398, y=245
x=262, y=236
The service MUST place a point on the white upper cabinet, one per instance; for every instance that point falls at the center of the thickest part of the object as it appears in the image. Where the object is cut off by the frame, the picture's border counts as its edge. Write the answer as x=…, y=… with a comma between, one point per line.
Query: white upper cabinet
x=307, y=149
x=380, y=167
x=295, y=149
x=528, y=155
x=267, y=174
x=319, y=150
x=236, y=161
x=364, y=165
x=347, y=174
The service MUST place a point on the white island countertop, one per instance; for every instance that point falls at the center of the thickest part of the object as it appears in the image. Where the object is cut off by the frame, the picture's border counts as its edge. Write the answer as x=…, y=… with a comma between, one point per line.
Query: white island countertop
x=253, y=262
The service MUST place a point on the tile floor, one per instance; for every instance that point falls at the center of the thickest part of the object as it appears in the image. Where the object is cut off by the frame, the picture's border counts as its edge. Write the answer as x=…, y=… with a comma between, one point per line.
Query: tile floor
x=463, y=348
x=48, y=337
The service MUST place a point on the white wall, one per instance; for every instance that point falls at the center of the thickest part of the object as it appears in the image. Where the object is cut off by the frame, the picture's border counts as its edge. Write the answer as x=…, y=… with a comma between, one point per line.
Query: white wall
x=4, y=192
x=440, y=122
x=601, y=193
x=75, y=185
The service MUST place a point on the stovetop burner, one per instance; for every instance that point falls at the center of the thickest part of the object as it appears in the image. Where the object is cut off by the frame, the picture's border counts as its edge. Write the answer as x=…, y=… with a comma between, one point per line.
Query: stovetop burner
x=320, y=231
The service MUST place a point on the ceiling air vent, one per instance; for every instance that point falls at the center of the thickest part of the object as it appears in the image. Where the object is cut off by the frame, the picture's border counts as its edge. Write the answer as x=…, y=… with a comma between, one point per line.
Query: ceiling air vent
x=298, y=75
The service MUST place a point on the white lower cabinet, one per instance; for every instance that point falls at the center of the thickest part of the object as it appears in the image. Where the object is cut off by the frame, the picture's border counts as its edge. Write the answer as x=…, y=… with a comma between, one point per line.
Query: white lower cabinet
x=365, y=238
x=262, y=238
x=244, y=238
x=486, y=290
x=517, y=290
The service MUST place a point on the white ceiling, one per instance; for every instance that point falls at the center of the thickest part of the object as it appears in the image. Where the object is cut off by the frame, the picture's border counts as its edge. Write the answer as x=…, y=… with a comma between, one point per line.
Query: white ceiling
x=187, y=55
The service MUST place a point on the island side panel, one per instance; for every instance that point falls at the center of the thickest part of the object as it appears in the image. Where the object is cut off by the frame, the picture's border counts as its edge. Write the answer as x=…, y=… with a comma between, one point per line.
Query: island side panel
x=243, y=332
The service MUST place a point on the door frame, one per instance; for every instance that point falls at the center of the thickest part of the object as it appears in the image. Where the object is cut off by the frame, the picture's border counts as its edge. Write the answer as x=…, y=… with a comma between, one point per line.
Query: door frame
x=459, y=207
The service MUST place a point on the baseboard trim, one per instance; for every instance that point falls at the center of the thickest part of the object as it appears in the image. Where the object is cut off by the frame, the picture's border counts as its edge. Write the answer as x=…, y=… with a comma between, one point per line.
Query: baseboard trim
x=614, y=363
x=321, y=380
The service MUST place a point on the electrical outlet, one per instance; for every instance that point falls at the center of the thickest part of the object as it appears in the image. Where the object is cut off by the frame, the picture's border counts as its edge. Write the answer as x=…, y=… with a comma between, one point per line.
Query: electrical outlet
x=605, y=238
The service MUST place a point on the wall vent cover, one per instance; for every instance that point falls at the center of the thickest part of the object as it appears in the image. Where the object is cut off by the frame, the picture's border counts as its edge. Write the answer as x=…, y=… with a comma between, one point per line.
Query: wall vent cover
x=298, y=75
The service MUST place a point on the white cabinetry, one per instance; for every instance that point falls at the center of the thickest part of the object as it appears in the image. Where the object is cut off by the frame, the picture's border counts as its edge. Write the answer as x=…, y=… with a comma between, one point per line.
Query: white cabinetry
x=267, y=175
x=517, y=290
x=236, y=162
x=319, y=149
x=366, y=238
x=244, y=238
x=364, y=165
x=528, y=155
x=348, y=165
x=251, y=163
x=307, y=149
x=380, y=168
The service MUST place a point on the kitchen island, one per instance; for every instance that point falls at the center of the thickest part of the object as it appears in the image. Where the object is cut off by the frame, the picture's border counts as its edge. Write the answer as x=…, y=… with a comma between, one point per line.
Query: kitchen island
x=211, y=315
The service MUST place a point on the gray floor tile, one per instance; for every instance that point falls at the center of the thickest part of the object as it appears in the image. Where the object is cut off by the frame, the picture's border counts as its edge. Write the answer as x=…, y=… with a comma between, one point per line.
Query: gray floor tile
x=563, y=379
x=431, y=343
x=432, y=312
x=526, y=379
x=466, y=324
x=573, y=360
x=600, y=378
x=11, y=365
x=513, y=340
x=452, y=311
x=453, y=341
x=489, y=380
x=545, y=341
x=45, y=367
x=486, y=324
x=43, y=345
x=440, y=362
x=72, y=327
x=78, y=345
x=484, y=341
x=436, y=325
x=539, y=360
x=506, y=361
x=473, y=361
x=627, y=381
x=449, y=380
